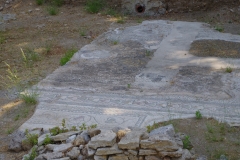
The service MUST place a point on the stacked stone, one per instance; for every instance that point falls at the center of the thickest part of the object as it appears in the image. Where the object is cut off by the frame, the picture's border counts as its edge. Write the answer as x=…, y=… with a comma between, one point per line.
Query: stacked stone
x=116, y=144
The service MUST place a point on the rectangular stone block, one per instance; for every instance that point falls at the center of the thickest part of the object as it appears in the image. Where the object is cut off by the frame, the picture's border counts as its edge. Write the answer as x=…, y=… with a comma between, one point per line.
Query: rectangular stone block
x=147, y=152
x=109, y=150
x=118, y=157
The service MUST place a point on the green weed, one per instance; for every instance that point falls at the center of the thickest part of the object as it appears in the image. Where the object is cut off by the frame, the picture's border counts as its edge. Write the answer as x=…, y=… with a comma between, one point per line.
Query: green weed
x=12, y=77
x=2, y=37
x=209, y=128
x=115, y=42
x=111, y=12
x=94, y=6
x=10, y=130
x=219, y=28
x=139, y=20
x=152, y=127
x=229, y=69
x=39, y=2
x=32, y=155
x=68, y=55
x=82, y=32
x=148, y=53
x=57, y=3
x=32, y=139
x=186, y=143
x=16, y=117
x=29, y=57
x=47, y=140
x=29, y=97
x=56, y=130
x=198, y=114
x=83, y=127
x=128, y=85
x=52, y=10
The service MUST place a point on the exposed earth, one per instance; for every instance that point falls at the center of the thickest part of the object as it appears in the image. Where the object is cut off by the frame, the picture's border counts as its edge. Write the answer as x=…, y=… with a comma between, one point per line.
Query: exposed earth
x=33, y=29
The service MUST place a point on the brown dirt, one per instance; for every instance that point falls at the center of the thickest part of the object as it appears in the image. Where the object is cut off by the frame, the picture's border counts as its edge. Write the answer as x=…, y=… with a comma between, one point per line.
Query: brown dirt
x=51, y=36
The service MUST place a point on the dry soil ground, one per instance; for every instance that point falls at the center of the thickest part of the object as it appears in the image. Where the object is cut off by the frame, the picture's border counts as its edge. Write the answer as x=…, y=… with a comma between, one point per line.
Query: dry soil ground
x=35, y=31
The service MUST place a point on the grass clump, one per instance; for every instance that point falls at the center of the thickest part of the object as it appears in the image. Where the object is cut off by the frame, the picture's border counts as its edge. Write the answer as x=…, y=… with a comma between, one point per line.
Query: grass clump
x=82, y=32
x=57, y=3
x=39, y=2
x=198, y=114
x=2, y=37
x=111, y=12
x=120, y=20
x=152, y=127
x=29, y=57
x=56, y=130
x=32, y=139
x=29, y=97
x=219, y=28
x=186, y=143
x=32, y=155
x=68, y=55
x=94, y=6
x=229, y=69
x=47, y=140
x=52, y=10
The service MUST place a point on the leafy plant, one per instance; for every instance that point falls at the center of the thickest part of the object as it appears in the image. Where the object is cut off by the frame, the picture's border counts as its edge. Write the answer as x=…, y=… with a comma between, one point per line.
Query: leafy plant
x=2, y=37
x=52, y=10
x=115, y=42
x=29, y=97
x=32, y=155
x=94, y=6
x=198, y=114
x=10, y=130
x=58, y=3
x=152, y=127
x=32, y=139
x=68, y=55
x=56, y=130
x=128, y=85
x=12, y=77
x=82, y=32
x=83, y=127
x=39, y=2
x=186, y=143
x=229, y=69
x=111, y=12
x=17, y=117
x=148, y=53
x=47, y=140
x=219, y=28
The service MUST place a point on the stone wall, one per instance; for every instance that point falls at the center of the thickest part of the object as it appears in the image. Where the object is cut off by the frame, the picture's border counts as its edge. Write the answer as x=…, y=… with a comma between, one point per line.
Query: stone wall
x=158, y=7
x=116, y=144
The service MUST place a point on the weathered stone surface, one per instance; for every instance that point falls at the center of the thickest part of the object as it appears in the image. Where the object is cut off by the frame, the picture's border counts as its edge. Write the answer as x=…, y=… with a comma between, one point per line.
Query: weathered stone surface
x=90, y=151
x=147, y=152
x=104, y=139
x=175, y=154
x=79, y=140
x=63, y=136
x=86, y=137
x=107, y=151
x=132, y=157
x=146, y=7
x=186, y=155
x=100, y=157
x=80, y=157
x=118, y=157
x=37, y=131
x=50, y=147
x=60, y=147
x=160, y=144
x=26, y=145
x=40, y=157
x=42, y=137
x=130, y=140
x=93, y=132
x=53, y=155
x=116, y=129
x=64, y=158
x=133, y=152
x=166, y=130
x=74, y=153
x=152, y=158
x=16, y=142
x=71, y=139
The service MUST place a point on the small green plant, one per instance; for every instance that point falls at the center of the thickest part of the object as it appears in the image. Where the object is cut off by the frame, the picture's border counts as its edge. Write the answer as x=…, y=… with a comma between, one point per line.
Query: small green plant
x=229, y=69
x=57, y=3
x=111, y=12
x=94, y=6
x=47, y=140
x=52, y=10
x=152, y=127
x=128, y=85
x=31, y=155
x=82, y=32
x=2, y=37
x=83, y=127
x=74, y=128
x=29, y=97
x=10, y=130
x=219, y=28
x=148, y=53
x=56, y=130
x=17, y=117
x=115, y=42
x=198, y=114
x=209, y=128
x=12, y=77
x=32, y=139
x=120, y=20
x=139, y=21
x=186, y=143
x=68, y=55
x=92, y=126
x=39, y=2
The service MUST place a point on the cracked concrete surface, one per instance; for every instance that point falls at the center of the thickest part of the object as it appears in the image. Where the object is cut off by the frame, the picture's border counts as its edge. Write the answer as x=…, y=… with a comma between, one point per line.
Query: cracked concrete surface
x=137, y=75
